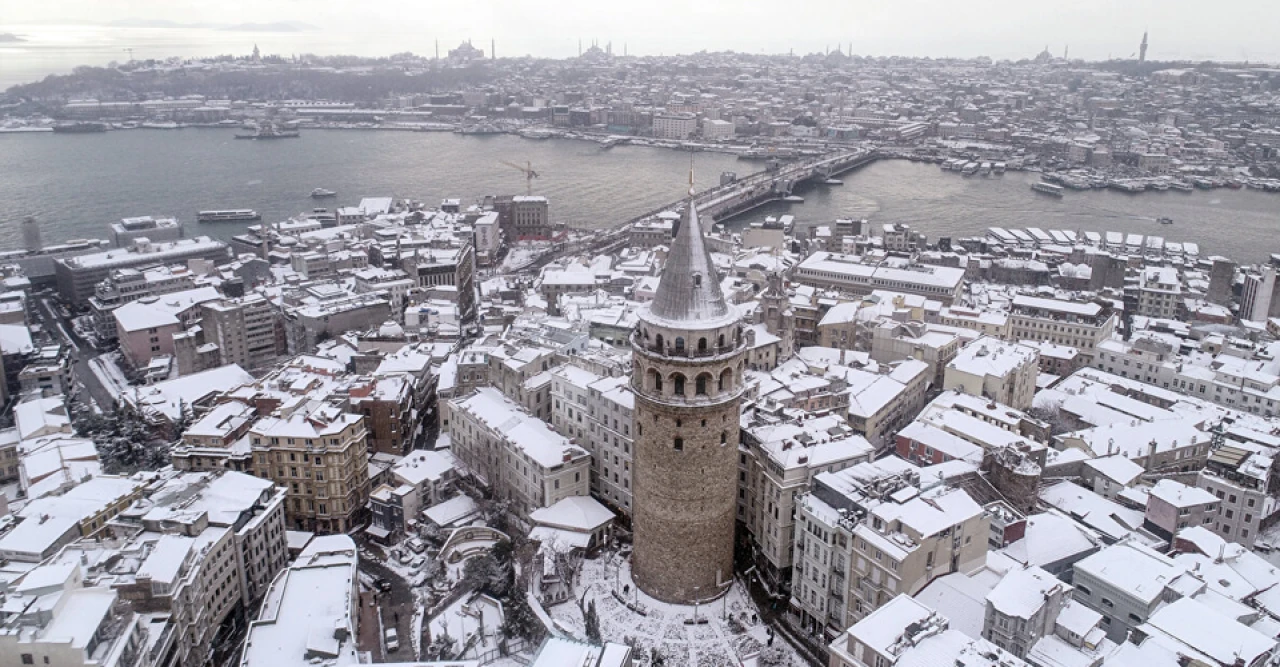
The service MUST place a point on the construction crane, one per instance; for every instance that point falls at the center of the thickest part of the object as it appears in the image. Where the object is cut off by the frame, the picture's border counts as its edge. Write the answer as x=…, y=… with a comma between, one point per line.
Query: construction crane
x=529, y=174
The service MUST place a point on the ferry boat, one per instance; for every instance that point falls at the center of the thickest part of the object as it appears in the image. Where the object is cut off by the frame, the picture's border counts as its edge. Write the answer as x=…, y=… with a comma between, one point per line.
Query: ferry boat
x=80, y=128
x=268, y=130
x=536, y=133
x=1165, y=221
x=228, y=215
x=794, y=199
x=833, y=181
x=969, y=168
x=321, y=192
x=481, y=128
x=984, y=168
x=998, y=168
x=1047, y=188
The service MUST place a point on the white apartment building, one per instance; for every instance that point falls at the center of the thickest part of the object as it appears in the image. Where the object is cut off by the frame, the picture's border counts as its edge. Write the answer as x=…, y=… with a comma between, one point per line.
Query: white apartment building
x=674, y=125
x=777, y=463
x=868, y=533
x=1159, y=292
x=714, y=130
x=514, y=453
x=1079, y=325
x=1001, y=371
x=596, y=411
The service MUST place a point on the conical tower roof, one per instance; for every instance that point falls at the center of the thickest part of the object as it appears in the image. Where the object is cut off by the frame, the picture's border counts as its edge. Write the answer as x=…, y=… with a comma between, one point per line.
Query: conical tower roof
x=689, y=290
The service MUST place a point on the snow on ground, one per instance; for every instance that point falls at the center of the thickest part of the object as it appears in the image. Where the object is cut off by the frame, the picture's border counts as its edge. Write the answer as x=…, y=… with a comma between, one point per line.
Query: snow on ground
x=109, y=374
x=712, y=644
x=521, y=255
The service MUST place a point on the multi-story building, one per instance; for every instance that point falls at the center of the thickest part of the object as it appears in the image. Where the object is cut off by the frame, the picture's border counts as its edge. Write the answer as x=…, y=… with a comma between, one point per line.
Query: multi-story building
x=219, y=440
x=77, y=276
x=597, y=412
x=674, y=125
x=1079, y=325
x=1160, y=293
x=868, y=533
x=524, y=217
x=320, y=457
x=1126, y=582
x=777, y=463
x=716, y=129
x=248, y=331
x=515, y=454
x=445, y=270
x=906, y=632
x=862, y=275
x=1173, y=507
x=419, y=480
x=127, y=285
x=1000, y=371
x=319, y=591
x=146, y=328
x=1243, y=481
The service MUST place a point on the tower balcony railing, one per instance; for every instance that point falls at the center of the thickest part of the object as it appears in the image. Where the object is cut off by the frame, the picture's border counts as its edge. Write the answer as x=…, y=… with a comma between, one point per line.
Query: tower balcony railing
x=694, y=352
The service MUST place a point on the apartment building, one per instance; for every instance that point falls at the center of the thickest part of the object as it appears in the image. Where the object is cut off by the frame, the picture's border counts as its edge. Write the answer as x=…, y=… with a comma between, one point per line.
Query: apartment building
x=319, y=455
x=907, y=632
x=1000, y=371
x=1160, y=293
x=867, y=533
x=248, y=331
x=777, y=462
x=1127, y=582
x=515, y=454
x=1073, y=324
x=127, y=285
x=1243, y=482
x=676, y=126
x=597, y=412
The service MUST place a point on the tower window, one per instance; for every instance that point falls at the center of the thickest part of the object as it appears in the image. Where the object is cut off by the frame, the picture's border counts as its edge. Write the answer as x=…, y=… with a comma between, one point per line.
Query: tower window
x=678, y=444
x=680, y=343
x=697, y=280
x=721, y=340
x=702, y=344
x=724, y=437
x=678, y=382
x=700, y=385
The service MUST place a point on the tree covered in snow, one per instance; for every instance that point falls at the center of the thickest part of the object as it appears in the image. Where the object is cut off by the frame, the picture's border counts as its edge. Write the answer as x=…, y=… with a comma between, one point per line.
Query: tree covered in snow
x=124, y=441
x=485, y=573
x=520, y=621
x=592, y=621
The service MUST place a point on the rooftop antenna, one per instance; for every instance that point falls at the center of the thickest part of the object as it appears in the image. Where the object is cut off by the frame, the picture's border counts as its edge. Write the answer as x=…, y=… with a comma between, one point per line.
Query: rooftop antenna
x=691, y=178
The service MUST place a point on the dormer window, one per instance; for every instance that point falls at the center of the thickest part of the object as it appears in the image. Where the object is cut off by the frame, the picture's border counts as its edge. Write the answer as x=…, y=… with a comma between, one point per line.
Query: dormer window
x=697, y=280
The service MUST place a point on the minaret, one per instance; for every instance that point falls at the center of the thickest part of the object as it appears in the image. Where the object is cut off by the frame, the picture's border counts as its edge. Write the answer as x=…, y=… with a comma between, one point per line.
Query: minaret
x=1142, y=50
x=493, y=49
x=688, y=361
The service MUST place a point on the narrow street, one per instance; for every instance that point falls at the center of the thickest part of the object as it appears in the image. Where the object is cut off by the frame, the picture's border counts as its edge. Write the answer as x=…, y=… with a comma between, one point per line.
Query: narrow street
x=397, y=607
x=81, y=351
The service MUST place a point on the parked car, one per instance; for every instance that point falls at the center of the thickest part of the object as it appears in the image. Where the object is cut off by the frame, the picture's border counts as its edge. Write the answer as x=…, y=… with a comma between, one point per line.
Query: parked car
x=416, y=545
x=393, y=641
x=417, y=562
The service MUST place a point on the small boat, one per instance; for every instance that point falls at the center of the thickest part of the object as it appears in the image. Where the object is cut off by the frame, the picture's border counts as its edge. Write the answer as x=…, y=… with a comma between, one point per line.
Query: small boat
x=1165, y=221
x=833, y=181
x=321, y=192
x=998, y=168
x=1182, y=186
x=794, y=199
x=1047, y=189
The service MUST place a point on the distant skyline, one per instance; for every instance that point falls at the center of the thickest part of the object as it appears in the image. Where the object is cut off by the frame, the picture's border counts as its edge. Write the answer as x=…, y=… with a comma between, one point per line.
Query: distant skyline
x=1232, y=30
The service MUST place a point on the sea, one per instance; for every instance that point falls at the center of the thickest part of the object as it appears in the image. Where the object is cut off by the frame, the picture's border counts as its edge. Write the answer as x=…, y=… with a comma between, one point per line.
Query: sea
x=77, y=184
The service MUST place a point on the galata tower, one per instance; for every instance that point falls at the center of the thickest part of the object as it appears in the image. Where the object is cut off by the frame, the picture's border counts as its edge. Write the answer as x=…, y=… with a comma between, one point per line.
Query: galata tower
x=689, y=352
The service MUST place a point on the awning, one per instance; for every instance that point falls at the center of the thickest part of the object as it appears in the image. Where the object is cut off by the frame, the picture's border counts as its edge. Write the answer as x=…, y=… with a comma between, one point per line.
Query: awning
x=377, y=533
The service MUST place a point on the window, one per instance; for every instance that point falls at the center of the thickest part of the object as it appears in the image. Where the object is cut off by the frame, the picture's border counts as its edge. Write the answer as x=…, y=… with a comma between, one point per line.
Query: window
x=27, y=659
x=1134, y=618
x=1084, y=589
x=680, y=343
x=1107, y=603
x=678, y=444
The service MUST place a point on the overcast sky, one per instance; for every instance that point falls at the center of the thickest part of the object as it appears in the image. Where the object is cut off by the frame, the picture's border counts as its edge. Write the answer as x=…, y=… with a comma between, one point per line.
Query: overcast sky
x=1094, y=29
